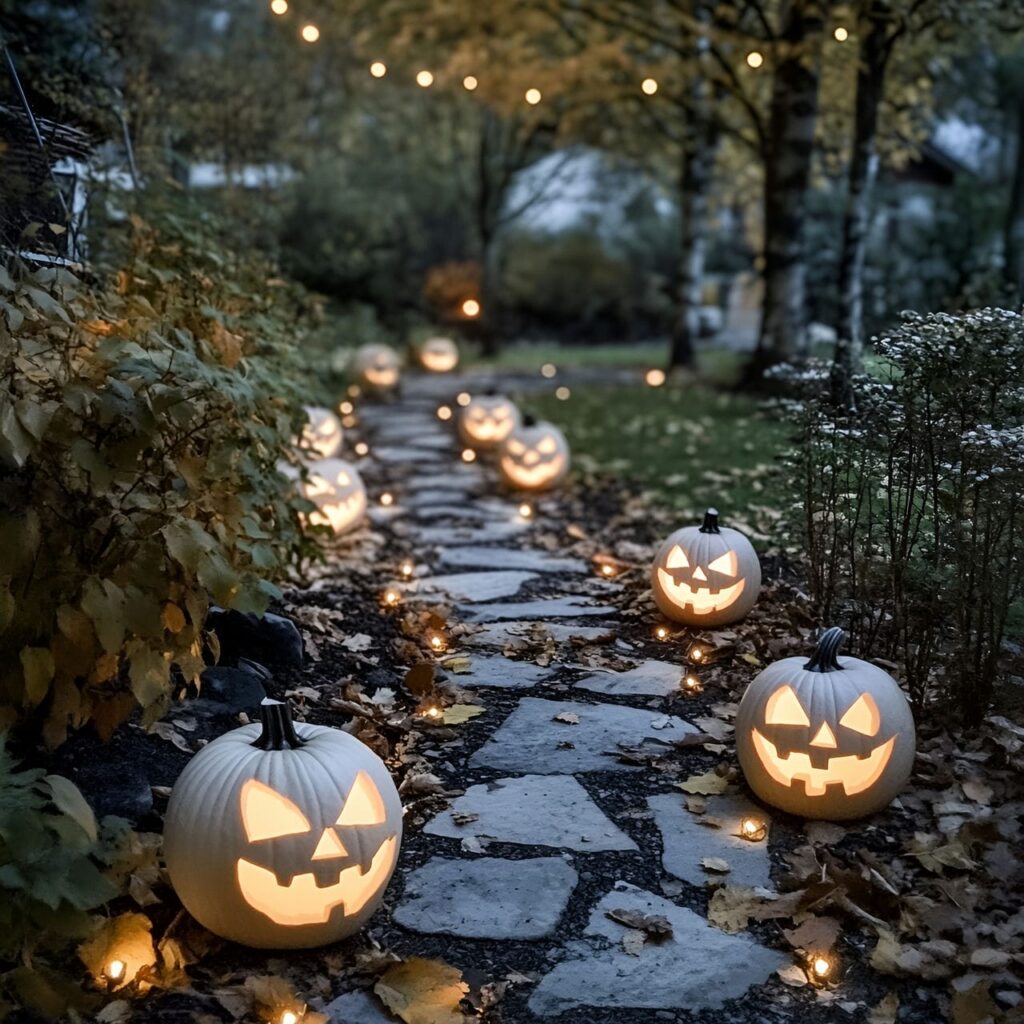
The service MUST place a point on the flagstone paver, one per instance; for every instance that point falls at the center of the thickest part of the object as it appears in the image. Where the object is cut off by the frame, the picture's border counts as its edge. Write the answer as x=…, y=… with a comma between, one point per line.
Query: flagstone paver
x=500, y=634
x=689, y=838
x=535, y=810
x=488, y=897
x=498, y=671
x=407, y=453
x=477, y=586
x=532, y=740
x=649, y=678
x=356, y=1008
x=489, y=533
x=508, y=558
x=544, y=608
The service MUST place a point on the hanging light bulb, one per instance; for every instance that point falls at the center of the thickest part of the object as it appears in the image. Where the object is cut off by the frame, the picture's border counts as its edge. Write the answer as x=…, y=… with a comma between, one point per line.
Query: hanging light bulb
x=755, y=59
x=424, y=79
x=533, y=97
x=279, y=7
x=310, y=33
x=378, y=69
x=469, y=83
x=649, y=86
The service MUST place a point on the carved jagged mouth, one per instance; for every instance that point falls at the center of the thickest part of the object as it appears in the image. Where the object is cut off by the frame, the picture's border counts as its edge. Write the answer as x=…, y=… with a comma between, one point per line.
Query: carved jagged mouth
x=381, y=378
x=524, y=476
x=700, y=599
x=302, y=901
x=339, y=514
x=855, y=774
x=439, y=362
x=491, y=431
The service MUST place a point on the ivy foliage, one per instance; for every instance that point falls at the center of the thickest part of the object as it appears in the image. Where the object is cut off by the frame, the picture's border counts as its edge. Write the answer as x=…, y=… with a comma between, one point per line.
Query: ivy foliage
x=142, y=417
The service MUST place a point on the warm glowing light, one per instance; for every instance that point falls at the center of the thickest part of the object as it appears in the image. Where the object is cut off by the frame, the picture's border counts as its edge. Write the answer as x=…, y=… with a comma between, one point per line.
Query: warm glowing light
x=755, y=59
x=463, y=398
x=438, y=642
x=562, y=393
x=387, y=499
x=661, y=633
x=392, y=597
x=444, y=412
x=289, y=1017
x=649, y=86
x=548, y=370
x=115, y=969
x=378, y=69
x=469, y=83
x=753, y=829
x=310, y=33
x=533, y=97
x=821, y=967
x=354, y=391
x=696, y=653
x=691, y=685
x=468, y=455
x=279, y=6
x=362, y=449
x=654, y=378
x=424, y=79
x=407, y=568
x=349, y=421
x=841, y=34
x=607, y=570
x=346, y=408
x=471, y=308
x=431, y=712
x=526, y=510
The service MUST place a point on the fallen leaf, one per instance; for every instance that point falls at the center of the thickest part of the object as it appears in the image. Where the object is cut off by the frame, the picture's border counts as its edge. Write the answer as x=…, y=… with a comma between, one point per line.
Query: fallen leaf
x=715, y=865
x=708, y=784
x=357, y=643
x=655, y=926
x=457, y=714
x=885, y=1012
x=792, y=975
x=816, y=934
x=567, y=717
x=423, y=991
x=127, y=938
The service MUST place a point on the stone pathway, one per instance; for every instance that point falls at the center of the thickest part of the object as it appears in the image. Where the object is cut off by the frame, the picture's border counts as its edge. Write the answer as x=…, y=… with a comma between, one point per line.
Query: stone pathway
x=553, y=831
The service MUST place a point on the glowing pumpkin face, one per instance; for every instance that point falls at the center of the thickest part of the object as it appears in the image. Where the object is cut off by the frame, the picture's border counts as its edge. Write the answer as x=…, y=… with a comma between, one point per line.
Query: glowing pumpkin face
x=376, y=367
x=487, y=421
x=285, y=837
x=534, y=456
x=439, y=355
x=322, y=434
x=338, y=492
x=707, y=575
x=829, y=739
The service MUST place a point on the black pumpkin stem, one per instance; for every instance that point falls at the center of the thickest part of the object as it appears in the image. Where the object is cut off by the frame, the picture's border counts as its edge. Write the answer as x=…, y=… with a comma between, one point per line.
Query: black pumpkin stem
x=710, y=524
x=529, y=420
x=278, y=728
x=824, y=658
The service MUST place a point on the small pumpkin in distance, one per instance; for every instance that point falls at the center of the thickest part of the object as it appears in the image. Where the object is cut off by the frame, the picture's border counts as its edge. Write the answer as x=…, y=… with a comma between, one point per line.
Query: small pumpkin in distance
x=534, y=456
x=438, y=354
x=707, y=575
x=487, y=420
x=377, y=368
x=281, y=835
x=831, y=738
x=338, y=491
x=322, y=435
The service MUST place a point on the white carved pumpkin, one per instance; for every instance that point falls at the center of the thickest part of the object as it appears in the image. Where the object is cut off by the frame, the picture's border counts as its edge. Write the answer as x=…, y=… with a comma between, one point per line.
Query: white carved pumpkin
x=322, y=435
x=337, y=490
x=438, y=355
x=534, y=456
x=377, y=367
x=830, y=738
x=283, y=836
x=706, y=575
x=487, y=421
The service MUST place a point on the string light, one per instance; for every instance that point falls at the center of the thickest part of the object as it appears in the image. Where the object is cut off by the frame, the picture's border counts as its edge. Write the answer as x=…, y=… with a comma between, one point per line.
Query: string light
x=463, y=398
x=432, y=712
x=696, y=653
x=392, y=597
x=468, y=455
x=310, y=33
x=821, y=967
x=362, y=449
x=279, y=7
x=548, y=370
x=526, y=510
x=755, y=59
x=349, y=421
x=289, y=1017
x=841, y=34
x=661, y=632
x=533, y=97
x=444, y=412
x=562, y=393
x=654, y=378
x=346, y=408
x=691, y=685
x=115, y=970
x=424, y=79
x=438, y=642
x=649, y=86
x=753, y=830
x=354, y=391
x=469, y=83
x=378, y=69
x=471, y=308
x=387, y=499
x=607, y=570
x=407, y=568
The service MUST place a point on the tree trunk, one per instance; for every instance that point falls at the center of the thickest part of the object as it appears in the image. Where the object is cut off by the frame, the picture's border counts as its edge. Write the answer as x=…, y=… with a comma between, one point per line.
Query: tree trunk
x=490, y=195
x=1013, y=248
x=789, y=148
x=698, y=158
x=874, y=32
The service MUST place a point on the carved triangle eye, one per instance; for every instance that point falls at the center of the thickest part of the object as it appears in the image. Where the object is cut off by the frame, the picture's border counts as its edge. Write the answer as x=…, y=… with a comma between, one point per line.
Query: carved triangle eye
x=784, y=708
x=725, y=563
x=266, y=814
x=677, y=559
x=862, y=716
x=364, y=805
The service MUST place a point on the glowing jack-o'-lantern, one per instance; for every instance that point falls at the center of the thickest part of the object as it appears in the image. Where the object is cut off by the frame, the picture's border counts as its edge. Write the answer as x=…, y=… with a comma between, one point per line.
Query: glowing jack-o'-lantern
x=706, y=575
x=338, y=492
x=376, y=367
x=323, y=433
x=832, y=738
x=534, y=456
x=438, y=355
x=488, y=420
x=283, y=836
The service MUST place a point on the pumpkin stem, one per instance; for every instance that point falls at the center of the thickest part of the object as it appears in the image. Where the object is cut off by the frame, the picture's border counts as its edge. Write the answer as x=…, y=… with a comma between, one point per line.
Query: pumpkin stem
x=529, y=420
x=824, y=658
x=278, y=728
x=710, y=524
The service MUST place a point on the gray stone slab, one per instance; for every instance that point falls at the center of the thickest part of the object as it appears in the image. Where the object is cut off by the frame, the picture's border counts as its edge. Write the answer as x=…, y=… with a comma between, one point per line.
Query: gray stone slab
x=500, y=634
x=477, y=586
x=544, y=608
x=649, y=678
x=698, y=968
x=465, y=510
x=687, y=840
x=357, y=1008
x=434, y=496
x=392, y=454
x=530, y=740
x=487, y=898
x=458, y=474
x=502, y=672
x=535, y=810
x=489, y=533
x=509, y=558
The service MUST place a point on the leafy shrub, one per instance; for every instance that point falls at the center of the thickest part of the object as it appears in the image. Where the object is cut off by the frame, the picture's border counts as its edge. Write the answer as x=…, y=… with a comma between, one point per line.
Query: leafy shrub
x=913, y=505
x=448, y=285
x=140, y=426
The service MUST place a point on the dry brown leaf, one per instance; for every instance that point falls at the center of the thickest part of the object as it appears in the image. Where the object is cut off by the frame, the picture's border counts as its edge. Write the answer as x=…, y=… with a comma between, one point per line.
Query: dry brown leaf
x=654, y=926
x=816, y=934
x=127, y=938
x=567, y=718
x=716, y=865
x=458, y=714
x=423, y=991
x=708, y=784
x=885, y=1012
